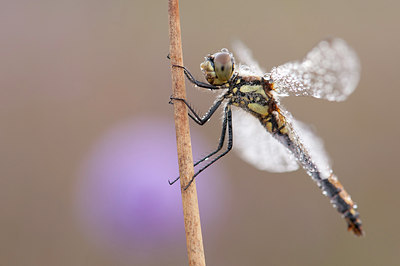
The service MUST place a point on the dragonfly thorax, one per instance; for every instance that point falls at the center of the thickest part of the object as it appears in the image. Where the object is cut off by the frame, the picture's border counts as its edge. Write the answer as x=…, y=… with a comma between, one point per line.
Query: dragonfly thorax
x=218, y=68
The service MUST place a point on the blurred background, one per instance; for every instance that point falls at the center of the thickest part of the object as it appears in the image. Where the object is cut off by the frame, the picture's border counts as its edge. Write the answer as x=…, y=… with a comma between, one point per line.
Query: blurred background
x=88, y=143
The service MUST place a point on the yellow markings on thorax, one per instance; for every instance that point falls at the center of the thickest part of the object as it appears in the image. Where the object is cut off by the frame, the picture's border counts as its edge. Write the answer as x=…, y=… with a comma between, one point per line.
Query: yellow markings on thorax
x=268, y=125
x=253, y=88
x=281, y=122
x=250, y=88
x=275, y=122
x=258, y=108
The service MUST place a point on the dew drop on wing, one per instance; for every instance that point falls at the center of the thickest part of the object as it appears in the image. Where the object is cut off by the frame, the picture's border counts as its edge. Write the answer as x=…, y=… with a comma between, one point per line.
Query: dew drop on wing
x=257, y=147
x=331, y=71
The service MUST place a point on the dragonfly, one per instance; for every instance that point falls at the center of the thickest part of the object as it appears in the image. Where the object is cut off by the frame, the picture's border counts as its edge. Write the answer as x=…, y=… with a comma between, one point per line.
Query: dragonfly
x=266, y=134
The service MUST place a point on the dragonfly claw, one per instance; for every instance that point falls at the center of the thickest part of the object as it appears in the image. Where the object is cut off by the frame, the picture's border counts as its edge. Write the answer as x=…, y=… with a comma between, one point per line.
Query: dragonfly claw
x=179, y=66
x=173, y=182
x=171, y=98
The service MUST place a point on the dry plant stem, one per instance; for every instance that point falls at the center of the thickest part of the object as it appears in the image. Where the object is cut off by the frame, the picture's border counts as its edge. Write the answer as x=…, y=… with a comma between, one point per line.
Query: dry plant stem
x=194, y=240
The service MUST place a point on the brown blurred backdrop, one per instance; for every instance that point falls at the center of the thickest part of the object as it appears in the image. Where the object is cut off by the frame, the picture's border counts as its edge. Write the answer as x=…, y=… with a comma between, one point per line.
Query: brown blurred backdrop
x=70, y=70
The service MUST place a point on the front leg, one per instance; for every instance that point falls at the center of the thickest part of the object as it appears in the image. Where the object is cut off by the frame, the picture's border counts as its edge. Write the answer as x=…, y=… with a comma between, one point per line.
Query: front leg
x=196, y=82
x=196, y=118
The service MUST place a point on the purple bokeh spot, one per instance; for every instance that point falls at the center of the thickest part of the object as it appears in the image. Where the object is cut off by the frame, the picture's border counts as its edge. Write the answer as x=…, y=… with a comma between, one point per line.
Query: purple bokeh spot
x=124, y=199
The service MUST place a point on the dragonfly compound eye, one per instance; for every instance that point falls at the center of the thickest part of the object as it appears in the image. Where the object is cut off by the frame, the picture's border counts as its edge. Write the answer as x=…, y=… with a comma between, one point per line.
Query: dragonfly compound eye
x=218, y=68
x=223, y=64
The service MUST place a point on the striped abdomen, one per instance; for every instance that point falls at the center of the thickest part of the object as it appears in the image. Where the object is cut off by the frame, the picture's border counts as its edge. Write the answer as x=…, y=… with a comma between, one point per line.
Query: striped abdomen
x=330, y=185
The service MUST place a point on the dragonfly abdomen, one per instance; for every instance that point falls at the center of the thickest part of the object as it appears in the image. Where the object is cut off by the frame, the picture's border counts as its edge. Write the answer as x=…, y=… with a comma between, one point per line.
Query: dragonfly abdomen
x=282, y=130
x=343, y=203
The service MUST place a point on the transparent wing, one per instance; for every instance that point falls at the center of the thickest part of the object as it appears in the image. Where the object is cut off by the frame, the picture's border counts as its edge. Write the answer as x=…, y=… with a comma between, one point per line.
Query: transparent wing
x=248, y=65
x=312, y=143
x=331, y=71
x=257, y=147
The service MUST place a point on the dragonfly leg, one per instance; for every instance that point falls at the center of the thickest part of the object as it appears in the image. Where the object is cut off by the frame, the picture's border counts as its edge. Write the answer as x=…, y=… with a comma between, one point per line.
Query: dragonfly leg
x=196, y=82
x=228, y=118
x=221, y=143
x=196, y=118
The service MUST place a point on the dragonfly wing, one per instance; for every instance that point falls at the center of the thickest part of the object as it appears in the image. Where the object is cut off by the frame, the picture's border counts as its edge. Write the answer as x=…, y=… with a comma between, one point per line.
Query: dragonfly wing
x=312, y=143
x=248, y=65
x=257, y=147
x=331, y=71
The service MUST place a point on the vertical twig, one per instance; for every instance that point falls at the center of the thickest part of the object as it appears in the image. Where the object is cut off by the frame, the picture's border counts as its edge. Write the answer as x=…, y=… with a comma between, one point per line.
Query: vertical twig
x=194, y=240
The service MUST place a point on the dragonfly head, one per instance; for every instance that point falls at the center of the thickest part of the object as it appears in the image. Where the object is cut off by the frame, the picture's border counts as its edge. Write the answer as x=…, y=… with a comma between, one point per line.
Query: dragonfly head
x=219, y=67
